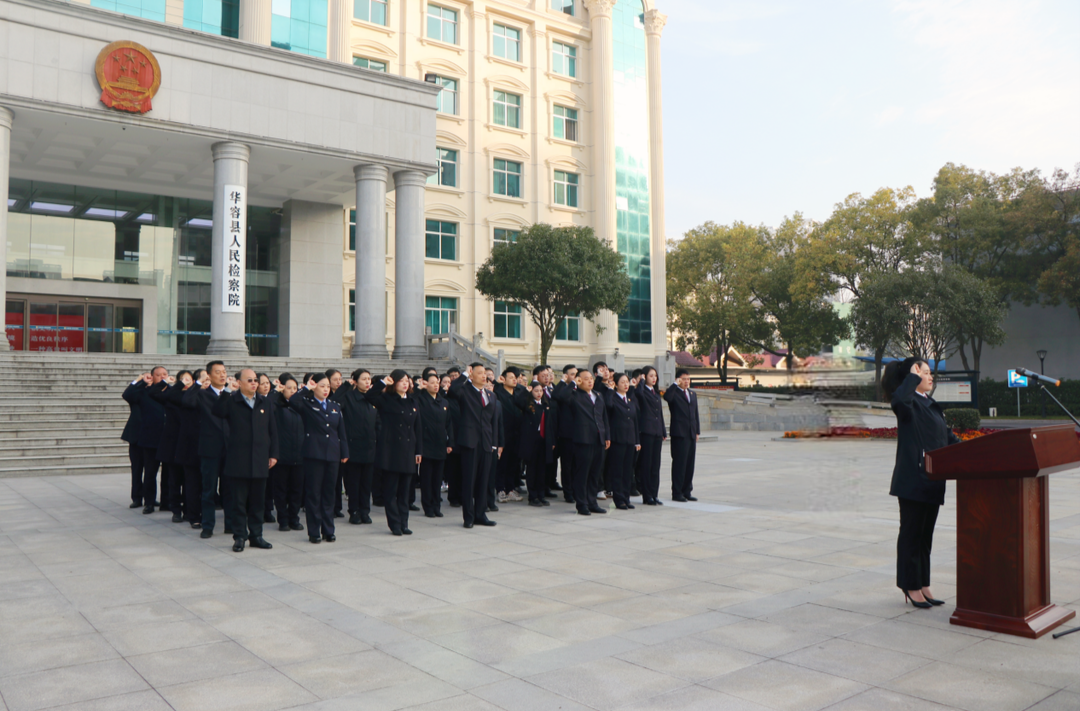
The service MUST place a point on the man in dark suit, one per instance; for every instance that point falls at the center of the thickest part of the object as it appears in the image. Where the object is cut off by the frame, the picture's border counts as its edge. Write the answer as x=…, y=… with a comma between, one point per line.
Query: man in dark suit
x=151, y=425
x=438, y=442
x=476, y=441
x=565, y=432
x=684, y=431
x=131, y=436
x=252, y=452
x=213, y=440
x=587, y=412
x=508, y=470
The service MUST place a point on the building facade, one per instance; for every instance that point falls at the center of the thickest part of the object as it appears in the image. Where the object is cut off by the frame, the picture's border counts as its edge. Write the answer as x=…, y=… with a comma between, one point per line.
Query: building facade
x=384, y=146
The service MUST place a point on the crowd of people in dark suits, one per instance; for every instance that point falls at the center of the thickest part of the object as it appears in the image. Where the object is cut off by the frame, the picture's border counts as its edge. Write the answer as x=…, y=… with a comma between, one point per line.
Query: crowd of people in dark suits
x=250, y=446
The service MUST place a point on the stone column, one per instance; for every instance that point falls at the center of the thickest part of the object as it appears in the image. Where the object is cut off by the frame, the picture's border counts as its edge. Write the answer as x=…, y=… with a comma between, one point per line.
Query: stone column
x=370, y=316
x=6, y=118
x=226, y=329
x=602, y=67
x=409, y=265
x=255, y=21
x=654, y=25
x=339, y=31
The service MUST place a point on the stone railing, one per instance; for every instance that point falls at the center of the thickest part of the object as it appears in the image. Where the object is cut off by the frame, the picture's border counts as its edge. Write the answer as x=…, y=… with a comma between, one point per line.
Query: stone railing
x=457, y=349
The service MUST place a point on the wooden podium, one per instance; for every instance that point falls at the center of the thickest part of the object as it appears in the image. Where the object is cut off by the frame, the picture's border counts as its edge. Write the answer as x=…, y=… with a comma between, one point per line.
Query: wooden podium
x=1002, y=526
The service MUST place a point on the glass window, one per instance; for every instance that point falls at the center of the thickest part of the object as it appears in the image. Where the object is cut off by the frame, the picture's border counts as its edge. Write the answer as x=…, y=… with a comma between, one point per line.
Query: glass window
x=218, y=17
x=507, y=320
x=569, y=328
x=352, y=310
x=507, y=178
x=373, y=11
x=564, y=59
x=504, y=236
x=147, y=9
x=565, y=124
x=566, y=6
x=506, y=43
x=442, y=24
x=440, y=313
x=352, y=230
x=447, y=101
x=566, y=188
x=447, y=175
x=373, y=64
x=299, y=26
x=507, y=109
x=441, y=240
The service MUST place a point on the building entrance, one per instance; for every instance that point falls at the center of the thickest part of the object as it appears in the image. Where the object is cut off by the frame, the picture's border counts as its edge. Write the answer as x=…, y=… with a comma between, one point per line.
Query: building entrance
x=34, y=322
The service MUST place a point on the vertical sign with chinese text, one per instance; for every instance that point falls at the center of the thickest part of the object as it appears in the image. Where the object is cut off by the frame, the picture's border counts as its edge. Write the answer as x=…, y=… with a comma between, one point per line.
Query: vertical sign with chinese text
x=234, y=231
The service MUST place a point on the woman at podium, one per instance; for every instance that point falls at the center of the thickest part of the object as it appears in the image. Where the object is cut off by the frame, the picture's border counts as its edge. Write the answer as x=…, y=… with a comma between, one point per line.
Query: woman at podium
x=920, y=428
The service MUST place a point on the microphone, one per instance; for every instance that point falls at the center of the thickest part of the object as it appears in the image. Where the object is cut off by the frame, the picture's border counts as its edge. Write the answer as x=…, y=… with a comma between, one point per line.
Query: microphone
x=1045, y=379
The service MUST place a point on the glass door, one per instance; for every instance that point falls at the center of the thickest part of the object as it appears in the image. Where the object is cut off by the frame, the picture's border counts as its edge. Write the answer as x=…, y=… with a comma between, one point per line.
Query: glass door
x=99, y=328
x=71, y=332
x=43, y=326
x=128, y=323
x=55, y=323
x=15, y=323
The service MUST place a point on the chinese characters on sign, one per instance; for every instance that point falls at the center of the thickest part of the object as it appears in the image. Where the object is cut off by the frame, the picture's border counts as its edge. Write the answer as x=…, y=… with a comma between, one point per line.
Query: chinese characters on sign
x=234, y=232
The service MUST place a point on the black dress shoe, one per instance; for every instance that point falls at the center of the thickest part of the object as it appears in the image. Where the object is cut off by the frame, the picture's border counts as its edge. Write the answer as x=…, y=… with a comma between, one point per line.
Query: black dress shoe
x=206, y=533
x=535, y=502
x=283, y=527
x=365, y=519
x=568, y=501
x=455, y=504
x=177, y=518
x=467, y=524
x=339, y=514
x=621, y=507
x=413, y=507
x=932, y=601
x=658, y=502
x=691, y=498
x=395, y=531
x=545, y=502
x=429, y=515
x=549, y=493
x=354, y=519
x=486, y=522
x=635, y=492
x=135, y=504
x=260, y=542
x=407, y=531
x=330, y=538
x=269, y=518
x=630, y=506
x=238, y=545
x=679, y=498
x=314, y=539
x=584, y=513
x=492, y=507
x=648, y=502
x=148, y=509
x=596, y=510
x=196, y=524
x=296, y=527
x=438, y=514
x=556, y=487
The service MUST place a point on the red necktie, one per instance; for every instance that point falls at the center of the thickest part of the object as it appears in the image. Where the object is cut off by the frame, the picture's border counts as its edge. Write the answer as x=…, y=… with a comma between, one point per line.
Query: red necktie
x=542, y=416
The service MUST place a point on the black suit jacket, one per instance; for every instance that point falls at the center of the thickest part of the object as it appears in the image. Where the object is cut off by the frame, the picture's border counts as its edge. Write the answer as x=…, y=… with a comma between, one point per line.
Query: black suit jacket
x=169, y=399
x=684, y=415
x=325, y=439
x=401, y=436
x=588, y=419
x=213, y=431
x=565, y=425
x=650, y=411
x=290, y=428
x=623, y=418
x=252, y=435
x=511, y=417
x=920, y=428
x=187, y=439
x=134, y=421
x=361, y=423
x=476, y=428
x=437, y=425
x=151, y=413
x=531, y=416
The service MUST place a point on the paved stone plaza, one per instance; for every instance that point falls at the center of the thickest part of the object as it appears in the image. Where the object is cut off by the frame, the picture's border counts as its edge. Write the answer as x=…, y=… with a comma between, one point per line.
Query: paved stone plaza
x=774, y=591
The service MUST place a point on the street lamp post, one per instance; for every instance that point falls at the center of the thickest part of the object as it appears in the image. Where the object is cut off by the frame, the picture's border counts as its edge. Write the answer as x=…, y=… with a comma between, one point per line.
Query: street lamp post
x=1042, y=371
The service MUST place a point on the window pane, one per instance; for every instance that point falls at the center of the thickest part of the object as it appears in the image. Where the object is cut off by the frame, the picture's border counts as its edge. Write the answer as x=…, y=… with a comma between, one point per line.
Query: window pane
x=449, y=243
x=362, y=10
x=378, y=12
x=431, y=250
x=434, y=25
x=513, y=186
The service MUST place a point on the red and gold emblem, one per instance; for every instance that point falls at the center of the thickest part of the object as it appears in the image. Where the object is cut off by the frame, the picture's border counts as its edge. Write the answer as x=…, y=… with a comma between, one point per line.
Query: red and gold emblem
x=129, y=76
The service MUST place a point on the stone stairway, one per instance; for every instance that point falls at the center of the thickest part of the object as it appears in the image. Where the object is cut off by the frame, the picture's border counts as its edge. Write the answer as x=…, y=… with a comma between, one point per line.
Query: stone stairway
x=62, y=413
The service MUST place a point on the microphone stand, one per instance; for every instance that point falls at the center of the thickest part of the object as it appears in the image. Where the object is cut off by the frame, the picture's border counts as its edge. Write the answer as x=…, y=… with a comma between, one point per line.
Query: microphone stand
x=1066, y=411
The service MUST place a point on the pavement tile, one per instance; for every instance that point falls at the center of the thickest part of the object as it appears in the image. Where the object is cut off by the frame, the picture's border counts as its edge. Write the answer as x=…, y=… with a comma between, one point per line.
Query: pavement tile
x=859, y=662
x=206, y=661
x=145, y=639
x=762, y=638
x=969, y=689
x=882, y=700
x=691, y=659
x=497, y=643
x=46, y=654
x=83, y=682
x=606, y=683
x=693, y=698
x=785, y=687
x=264, y=690
x=521, y=695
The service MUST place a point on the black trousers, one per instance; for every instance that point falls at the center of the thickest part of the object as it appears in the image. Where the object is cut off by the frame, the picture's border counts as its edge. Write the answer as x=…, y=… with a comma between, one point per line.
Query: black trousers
x=648, y=467
x=452, y=475
x=396, y=498
x=248, y=498
x=508, y=471
x=192, y=493
x=552, y=471
x=475, y=466
x=210, y=469
x=358, y=480
x=588, y=464
x=337, y=491
x=620, y=460
x=176, y=488
x=913, y=545
x=536, y=472
x=683, y=453
x=165, y=492
x=431, y=474
x=566, y=461
x=376, y=487
x=287, y=487
x=149, y=475
x=135, y=455
x=320, y=478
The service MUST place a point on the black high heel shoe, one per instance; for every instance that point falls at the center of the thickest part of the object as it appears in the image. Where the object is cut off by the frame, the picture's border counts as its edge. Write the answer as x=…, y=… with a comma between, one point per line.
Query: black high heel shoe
x=932, y=601
x=916, y=603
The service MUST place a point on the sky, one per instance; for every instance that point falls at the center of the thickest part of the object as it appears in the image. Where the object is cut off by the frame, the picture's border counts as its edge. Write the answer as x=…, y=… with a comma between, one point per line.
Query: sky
x=773, y=107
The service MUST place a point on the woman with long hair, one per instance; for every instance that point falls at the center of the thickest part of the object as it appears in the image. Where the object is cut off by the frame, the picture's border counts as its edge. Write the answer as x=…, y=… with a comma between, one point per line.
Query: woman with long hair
x=653, y=434
x=398, y=452
x=624, y=431
x=361, y=426
x=287, y=477
x=920, y=428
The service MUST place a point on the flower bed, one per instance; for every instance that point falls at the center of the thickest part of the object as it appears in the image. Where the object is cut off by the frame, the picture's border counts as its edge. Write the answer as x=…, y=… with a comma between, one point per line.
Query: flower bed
x=875, y=433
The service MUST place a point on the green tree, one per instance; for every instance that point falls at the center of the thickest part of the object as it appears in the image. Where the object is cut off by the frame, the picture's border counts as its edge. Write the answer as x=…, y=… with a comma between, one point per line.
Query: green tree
x=555, y=271
x=708, y=290
x=1061, y=282
x=875, y=318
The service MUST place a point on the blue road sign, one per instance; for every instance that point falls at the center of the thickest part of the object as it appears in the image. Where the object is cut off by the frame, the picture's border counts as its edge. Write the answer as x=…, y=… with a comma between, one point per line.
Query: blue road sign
x=1016, y=380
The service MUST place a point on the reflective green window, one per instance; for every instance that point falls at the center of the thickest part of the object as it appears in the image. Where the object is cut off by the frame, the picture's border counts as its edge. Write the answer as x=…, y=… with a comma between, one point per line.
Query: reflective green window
x=299, y=26
x=566, y=188
x=448, y=164
x=566, y=6
x=447, y=101
x=218, y=17
x=373, y=11
x=441, y=240
x=565, y=123
x=507, y=178
x=506, y=43
x=440, y=313
x=564, y=59
x=507, y=109
x=507, y=320
x=503, y=236
x=352, y=230
x=372, y=64
x=569, y=328
x=442, y=24
x=352, y=309
x=148, y=9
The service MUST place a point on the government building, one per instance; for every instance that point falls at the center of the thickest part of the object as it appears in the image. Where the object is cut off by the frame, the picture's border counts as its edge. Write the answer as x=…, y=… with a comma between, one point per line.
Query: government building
x=318, y=178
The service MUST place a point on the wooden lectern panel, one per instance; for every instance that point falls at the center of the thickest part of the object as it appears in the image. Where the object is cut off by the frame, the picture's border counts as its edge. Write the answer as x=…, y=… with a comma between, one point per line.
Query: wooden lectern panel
x=1003, y=526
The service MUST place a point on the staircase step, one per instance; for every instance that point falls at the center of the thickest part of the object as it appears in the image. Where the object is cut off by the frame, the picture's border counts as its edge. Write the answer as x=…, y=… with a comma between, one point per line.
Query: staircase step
x=9, y=472
x=24, y=448
x=59, y=436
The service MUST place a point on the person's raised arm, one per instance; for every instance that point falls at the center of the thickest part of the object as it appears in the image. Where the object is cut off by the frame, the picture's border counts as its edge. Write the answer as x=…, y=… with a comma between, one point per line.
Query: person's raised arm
x=221, y=405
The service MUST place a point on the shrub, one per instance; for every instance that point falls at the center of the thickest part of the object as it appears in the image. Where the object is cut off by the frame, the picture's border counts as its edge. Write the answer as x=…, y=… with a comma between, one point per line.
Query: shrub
x=962, y=418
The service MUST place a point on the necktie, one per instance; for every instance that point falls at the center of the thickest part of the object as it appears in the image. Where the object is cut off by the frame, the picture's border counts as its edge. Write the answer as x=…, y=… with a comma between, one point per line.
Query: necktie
x=324, y=405
x=542, y=416
x=483, y=397
x=687, y=395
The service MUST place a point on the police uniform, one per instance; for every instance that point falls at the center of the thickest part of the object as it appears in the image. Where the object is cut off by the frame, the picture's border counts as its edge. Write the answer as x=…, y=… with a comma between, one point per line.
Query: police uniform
x=325, y=445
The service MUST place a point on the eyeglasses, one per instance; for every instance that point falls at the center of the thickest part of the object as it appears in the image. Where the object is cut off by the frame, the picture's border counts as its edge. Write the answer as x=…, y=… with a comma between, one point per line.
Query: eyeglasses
x=250, y=380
